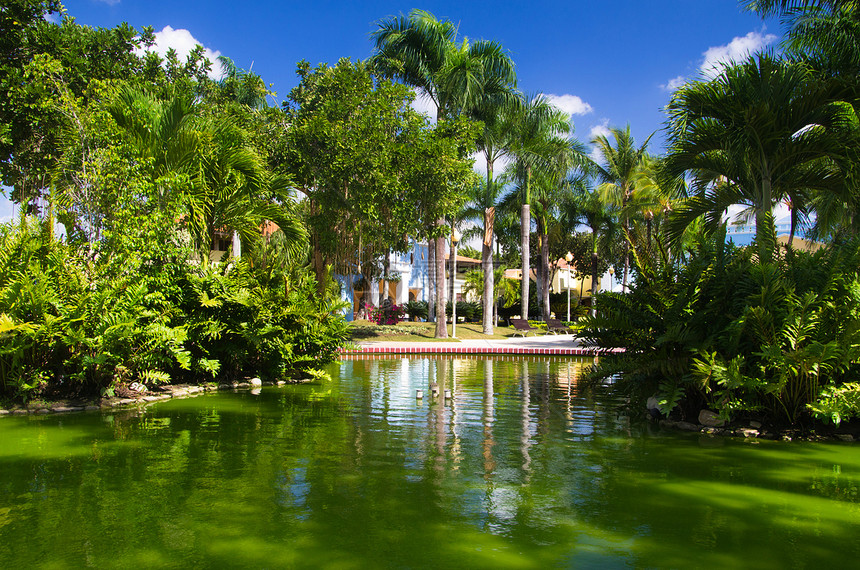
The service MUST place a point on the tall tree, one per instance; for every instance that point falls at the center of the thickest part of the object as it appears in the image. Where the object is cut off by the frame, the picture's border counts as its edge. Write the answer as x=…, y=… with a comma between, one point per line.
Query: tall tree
x=617, y=172
x=761, y=131
x=540, y=142
x=365, y=160
x=483, y=200
x=589, y=209
x=824, y=32
x=422, y=51
x=498, y=114
x=39, y=61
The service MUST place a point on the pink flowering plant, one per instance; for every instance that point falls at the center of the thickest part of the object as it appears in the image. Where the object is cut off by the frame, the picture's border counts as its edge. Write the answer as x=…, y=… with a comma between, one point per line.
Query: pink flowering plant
x=386, y=314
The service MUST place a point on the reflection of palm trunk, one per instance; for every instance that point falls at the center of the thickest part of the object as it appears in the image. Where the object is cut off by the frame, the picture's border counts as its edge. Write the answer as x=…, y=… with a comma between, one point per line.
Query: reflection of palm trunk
x=526, y=436
x=488, y=418
x=439, y=413
x=456, y=454
x=568, y=410
x=543, y=416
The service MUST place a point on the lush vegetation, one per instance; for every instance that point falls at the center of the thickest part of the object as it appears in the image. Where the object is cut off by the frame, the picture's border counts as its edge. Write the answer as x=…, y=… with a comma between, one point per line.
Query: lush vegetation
x=150, y=166
x=769, y=330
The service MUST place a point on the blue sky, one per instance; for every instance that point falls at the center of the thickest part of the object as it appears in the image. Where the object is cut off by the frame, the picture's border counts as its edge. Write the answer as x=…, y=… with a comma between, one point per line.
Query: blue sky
x=608, y=63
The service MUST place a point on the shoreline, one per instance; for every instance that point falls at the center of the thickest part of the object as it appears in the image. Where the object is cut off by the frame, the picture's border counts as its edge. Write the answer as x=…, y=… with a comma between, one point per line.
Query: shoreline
x=164, y=392
x=738, y=429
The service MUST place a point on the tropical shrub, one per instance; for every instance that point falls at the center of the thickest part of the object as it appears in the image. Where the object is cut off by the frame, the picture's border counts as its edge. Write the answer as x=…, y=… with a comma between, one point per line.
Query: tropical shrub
x=416, y=309
x=71, y=324
x=779, y=339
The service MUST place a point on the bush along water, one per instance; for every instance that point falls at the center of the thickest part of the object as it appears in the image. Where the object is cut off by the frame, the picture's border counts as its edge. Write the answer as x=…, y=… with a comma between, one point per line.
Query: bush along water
x=779, y=340
x=78, y=324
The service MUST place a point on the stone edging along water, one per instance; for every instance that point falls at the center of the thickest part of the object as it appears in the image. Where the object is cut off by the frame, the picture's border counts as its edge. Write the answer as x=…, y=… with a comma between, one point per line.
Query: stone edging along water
x=471, y=350
x=167, y=392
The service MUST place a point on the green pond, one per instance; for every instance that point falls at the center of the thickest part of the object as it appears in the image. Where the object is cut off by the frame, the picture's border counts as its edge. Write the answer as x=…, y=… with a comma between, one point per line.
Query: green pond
x=518, y=469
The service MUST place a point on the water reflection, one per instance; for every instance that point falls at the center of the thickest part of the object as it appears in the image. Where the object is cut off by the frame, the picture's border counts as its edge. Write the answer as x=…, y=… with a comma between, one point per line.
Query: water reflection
x=520, y=467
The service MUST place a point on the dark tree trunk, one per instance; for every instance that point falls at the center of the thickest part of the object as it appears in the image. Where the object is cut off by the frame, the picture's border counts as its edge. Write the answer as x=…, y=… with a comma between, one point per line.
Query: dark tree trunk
x=487, y=265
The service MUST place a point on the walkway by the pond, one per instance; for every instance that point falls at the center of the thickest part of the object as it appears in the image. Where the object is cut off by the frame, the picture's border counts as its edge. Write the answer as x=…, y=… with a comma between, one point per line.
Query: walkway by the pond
x=549, y=345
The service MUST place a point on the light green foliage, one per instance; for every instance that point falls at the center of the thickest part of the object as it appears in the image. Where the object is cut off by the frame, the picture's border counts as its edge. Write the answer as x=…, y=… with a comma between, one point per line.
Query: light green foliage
x=837, y=403
x=505, y=291
x=375, y=171
x=40, y=60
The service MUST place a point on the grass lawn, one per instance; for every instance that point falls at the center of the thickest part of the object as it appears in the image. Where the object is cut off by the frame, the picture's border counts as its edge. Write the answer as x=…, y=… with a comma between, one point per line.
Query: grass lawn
x=408, y=331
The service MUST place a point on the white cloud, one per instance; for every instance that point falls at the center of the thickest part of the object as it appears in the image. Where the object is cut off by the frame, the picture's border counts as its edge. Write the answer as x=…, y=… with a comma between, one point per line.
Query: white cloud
x=183, y=42
x=600, y=130
x=425, y=105
x=570, y=104
x=109, y=2
x=715, y=58
x=736, y=50
x=674, y=83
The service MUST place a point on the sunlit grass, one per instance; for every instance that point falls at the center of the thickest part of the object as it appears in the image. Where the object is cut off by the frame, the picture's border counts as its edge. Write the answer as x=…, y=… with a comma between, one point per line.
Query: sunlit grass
x=408, y=331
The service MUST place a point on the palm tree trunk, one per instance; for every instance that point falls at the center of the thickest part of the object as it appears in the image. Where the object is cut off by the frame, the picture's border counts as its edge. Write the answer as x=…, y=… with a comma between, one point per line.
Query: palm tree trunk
x=487, y=264
x=761, y=219
x=385, y=266
x=539, y=282
x=594, y=278
x=544, y=261
x=236, y=246
x=319, y=267
x=441, y=324
x=626, y=255
x=525, y=223
x=793, y=227
x=452, y=255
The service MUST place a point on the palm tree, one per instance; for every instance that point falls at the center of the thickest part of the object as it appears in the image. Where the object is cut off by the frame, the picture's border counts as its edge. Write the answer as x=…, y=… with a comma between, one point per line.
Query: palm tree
x=241, y=86
x=657, y=194
x=589, y=209
x=621, y=165
x=228, y=184
x=540, y=143
x=825, y=32
x=239, y=191
x=763, y=131
x=483, y=201
x=421, y=51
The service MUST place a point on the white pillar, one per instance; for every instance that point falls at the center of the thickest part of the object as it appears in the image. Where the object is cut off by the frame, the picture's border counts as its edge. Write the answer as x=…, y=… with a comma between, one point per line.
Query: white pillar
x=374, y=293
x=237, y=246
